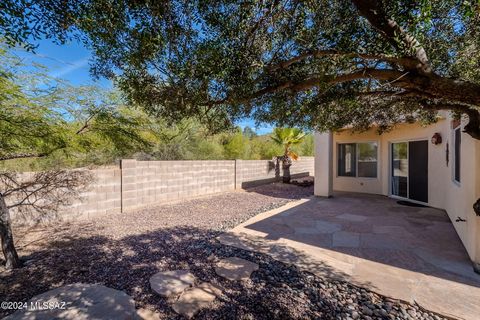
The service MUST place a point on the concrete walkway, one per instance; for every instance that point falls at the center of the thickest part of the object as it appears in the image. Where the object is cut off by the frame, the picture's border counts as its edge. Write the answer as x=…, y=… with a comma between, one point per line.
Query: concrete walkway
x=407, y=253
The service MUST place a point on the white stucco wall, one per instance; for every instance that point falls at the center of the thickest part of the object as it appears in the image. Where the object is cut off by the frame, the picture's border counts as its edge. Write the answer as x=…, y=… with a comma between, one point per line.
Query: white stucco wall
x=443, y=192
x=323, y=164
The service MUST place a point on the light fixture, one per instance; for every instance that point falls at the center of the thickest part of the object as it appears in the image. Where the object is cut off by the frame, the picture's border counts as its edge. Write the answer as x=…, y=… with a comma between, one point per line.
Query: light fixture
x=476, y=207
x=436, y=139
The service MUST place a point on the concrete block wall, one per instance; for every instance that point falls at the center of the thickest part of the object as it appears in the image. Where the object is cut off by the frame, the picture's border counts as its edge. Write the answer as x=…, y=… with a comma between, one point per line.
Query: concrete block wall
x=135, y=184
x=151, y=182
x=256, y=172
x=303, y=165
x=102, y=196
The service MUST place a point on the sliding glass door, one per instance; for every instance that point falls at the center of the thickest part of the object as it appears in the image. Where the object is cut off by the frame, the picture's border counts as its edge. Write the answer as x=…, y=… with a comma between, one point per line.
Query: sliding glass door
x=410, y=170
x=400, y=169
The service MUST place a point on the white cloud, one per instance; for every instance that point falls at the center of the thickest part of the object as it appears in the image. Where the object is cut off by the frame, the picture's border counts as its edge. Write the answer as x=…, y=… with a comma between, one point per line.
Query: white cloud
x=71, y=67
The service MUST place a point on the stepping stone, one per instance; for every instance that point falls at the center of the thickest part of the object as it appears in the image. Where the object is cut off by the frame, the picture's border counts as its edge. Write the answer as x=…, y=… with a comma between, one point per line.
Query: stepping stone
x=235, y=268
x=196, y=298
x=167, y=283
x=81, y=301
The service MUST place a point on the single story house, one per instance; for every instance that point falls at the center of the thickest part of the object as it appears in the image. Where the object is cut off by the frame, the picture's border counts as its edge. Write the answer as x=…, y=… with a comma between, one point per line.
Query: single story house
x=436, y=165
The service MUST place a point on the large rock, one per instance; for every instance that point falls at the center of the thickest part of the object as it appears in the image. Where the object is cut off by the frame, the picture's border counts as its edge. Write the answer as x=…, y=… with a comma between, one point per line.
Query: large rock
x=235, y=268
x=78, y=302
x=194, y=299
x=167, y=283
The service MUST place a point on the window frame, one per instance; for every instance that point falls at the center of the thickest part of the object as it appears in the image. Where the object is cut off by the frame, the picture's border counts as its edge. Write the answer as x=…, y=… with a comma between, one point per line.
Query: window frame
x=357, y=150
x=354, y=164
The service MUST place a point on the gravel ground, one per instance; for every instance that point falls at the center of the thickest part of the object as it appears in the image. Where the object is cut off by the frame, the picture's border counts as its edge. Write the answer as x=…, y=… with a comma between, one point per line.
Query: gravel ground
x=123, y=251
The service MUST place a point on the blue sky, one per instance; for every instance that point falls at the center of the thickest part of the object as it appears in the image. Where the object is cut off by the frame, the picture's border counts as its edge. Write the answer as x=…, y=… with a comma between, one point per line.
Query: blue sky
x=71, y=62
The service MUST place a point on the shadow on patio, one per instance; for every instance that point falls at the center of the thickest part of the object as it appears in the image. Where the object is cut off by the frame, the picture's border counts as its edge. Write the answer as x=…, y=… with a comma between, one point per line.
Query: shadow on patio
x=408, y=253
x=127, y=263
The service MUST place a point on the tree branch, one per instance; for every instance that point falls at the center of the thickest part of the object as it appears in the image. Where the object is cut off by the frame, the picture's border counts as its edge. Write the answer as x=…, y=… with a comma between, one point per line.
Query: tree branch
x=406, y=62
x=372, y=10
x=308, y=83
x=86, y=123
x=24, y=156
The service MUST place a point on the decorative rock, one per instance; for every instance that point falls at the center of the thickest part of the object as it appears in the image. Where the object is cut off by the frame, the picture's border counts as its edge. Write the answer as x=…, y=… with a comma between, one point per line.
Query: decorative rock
x=412, y=312
x=146, y=314
x=367, y=311
x=79, y=301
x=194, y=299
x=167, y=283
x=235, y=268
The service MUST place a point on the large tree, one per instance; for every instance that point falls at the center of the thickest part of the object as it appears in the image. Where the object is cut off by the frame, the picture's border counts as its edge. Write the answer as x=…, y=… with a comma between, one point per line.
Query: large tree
x=47, y=120
x=322, y=64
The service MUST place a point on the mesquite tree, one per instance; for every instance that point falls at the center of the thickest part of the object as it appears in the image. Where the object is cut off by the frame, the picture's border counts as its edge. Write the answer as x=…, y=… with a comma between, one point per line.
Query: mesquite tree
x=319, y=64
x=47, y=120
x=36, y=197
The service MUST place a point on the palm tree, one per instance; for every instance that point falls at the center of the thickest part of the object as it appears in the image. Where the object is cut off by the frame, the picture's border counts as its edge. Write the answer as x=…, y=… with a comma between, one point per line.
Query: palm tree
x=287, y=137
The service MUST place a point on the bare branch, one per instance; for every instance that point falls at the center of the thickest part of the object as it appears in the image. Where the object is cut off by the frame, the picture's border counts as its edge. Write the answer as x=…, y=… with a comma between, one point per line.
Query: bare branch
x=43, y=193
x=86, y=124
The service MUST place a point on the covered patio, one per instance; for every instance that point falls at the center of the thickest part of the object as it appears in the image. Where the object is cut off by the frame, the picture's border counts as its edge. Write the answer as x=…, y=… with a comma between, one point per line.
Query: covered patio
x=407, y=253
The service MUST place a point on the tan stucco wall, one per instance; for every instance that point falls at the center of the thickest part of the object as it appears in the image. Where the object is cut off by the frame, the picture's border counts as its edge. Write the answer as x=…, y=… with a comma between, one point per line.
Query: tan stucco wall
x=456, y=199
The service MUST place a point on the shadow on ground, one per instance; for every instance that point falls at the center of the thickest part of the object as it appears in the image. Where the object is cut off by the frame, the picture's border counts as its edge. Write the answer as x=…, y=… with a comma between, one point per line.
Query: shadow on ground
x=378, y=229
x=284, y=191
x=275, y=291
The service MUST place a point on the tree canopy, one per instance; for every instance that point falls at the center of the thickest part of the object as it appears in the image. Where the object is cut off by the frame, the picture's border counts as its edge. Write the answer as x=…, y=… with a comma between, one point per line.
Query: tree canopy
x=46, y=118
x=318, y=64
x=47, y=123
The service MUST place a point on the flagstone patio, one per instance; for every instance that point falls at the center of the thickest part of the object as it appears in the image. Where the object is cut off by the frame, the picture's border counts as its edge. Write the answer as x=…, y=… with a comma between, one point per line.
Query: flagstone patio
x=407, y=253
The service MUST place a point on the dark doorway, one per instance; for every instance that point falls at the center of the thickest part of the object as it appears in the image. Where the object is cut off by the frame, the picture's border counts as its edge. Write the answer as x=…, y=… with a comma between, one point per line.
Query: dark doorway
x=418, y=170
x=410, y=170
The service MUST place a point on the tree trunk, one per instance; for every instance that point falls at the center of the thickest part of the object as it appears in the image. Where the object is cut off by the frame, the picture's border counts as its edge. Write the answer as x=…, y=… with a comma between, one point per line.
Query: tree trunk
x=286, y=171
x=6, y=237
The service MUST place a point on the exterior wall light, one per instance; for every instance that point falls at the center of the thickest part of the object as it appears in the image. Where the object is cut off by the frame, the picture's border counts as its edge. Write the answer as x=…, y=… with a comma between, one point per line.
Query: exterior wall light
x=436, y=139
x=476, y=207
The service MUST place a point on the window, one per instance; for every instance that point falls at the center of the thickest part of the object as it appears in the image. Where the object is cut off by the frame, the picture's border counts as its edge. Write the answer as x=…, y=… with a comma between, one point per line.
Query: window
x=346, y=160
x=367, y=160
x=457, y=140
x=357, y=160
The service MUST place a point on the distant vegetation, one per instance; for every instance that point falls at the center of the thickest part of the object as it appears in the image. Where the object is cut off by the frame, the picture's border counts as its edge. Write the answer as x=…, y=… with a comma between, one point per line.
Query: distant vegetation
x=192, y=142
x=47, y=123
x=188, y=141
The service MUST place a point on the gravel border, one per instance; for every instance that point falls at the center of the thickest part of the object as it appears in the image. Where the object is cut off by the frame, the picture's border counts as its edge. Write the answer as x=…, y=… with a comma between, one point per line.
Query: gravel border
x=122, y=251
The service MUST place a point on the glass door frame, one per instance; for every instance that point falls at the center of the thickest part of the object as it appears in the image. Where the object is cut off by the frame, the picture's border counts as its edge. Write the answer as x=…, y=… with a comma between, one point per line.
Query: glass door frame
x=390, y=170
